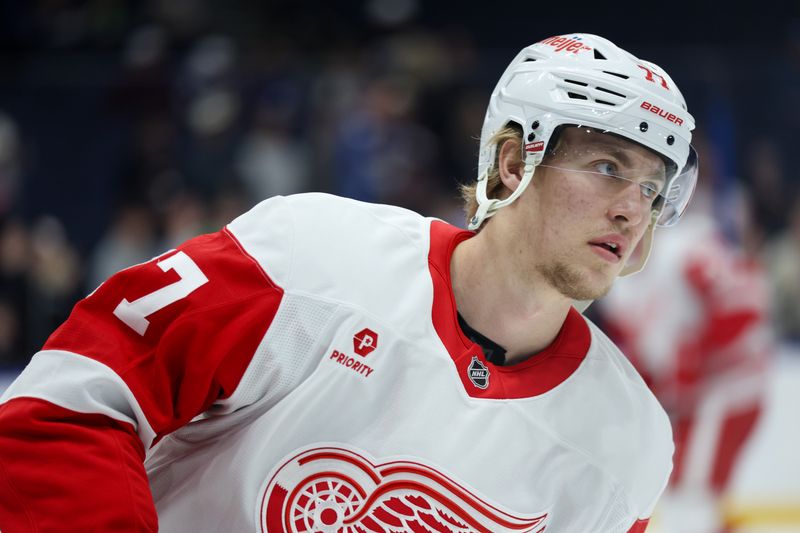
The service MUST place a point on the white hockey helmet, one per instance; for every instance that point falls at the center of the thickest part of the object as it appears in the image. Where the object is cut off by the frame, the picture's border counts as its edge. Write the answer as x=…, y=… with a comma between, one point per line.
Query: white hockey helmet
x=585, y=80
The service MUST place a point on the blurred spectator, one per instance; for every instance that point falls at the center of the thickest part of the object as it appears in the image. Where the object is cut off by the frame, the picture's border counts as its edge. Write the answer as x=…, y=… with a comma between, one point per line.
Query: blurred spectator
x=334, y=95
x=10, y=336
x=227, y=205
x=144, y=84
x=130, y=240
x=465, y=121
x=768, y=186
x=10, y=163
x=783, y=259
x=212, y=111
x=185, y=216
x=14, y=294
x=55, y=277
x=382, y=154
x=150, y=173
x=271, y=160
x=391, y=12
x=143, y=97
x=207, y=149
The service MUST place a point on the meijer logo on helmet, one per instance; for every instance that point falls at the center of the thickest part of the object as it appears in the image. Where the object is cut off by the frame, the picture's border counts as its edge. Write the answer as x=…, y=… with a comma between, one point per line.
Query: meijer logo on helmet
x=565, y=44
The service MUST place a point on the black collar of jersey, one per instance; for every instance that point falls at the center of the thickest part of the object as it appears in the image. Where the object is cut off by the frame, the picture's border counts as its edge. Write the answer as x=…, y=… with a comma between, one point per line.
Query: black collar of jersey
x=493, y=352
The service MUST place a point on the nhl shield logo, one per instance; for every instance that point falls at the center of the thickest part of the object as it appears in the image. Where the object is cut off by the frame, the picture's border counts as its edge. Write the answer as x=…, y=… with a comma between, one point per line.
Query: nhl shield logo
x=478, y=373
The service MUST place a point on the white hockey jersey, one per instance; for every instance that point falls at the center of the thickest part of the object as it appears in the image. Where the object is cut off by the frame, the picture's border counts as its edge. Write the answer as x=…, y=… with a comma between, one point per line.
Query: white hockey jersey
x=303, y=370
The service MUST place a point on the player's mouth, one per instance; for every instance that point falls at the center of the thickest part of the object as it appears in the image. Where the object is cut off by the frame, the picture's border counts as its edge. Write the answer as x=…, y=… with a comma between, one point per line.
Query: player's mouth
x=610, y=247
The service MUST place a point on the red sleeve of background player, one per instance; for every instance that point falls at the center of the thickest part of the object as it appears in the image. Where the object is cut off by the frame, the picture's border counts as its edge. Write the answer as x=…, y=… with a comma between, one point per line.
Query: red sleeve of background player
x=733, y=303
x=149, y=350
x=639, y=526
x=719, y=285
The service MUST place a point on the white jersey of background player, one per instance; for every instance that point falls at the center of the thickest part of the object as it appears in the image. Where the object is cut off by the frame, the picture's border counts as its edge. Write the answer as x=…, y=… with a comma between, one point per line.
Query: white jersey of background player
x=695, y=323
x=310, y=366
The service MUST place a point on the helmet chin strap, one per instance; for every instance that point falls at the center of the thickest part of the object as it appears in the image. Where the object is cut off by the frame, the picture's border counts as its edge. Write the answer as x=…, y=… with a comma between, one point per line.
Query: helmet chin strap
x=487, y=207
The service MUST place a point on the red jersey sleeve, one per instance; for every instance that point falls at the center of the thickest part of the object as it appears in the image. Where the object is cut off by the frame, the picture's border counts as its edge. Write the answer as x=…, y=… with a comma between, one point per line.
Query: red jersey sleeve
x=150, y=349
x=639, y=526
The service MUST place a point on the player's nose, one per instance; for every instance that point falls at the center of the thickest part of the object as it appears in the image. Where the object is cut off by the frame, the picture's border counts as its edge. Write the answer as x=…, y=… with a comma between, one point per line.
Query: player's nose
x=627, y=204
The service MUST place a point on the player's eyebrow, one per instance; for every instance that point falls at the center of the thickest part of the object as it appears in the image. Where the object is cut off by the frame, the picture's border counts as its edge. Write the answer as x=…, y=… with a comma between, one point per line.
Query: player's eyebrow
x=622, y=153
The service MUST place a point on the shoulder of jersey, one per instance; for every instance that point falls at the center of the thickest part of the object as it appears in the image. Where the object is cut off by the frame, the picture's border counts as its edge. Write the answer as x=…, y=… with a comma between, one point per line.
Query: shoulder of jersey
x=335, y=247
x=639, y=439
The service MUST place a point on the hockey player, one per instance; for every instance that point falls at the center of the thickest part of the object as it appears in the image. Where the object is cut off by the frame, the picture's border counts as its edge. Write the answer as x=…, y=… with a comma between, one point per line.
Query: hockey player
x=327, y=365
x=696, y=325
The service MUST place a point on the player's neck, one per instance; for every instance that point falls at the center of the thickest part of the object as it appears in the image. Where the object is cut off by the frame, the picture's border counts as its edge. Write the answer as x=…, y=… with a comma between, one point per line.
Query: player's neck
x=522, y=316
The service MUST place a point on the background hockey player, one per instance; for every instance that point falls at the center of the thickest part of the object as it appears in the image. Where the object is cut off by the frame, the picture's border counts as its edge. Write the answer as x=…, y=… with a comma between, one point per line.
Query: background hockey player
x=696, y=325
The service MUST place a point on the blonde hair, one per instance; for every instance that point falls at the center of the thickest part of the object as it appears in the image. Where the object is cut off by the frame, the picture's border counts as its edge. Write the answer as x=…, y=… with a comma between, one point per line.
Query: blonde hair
x=494, y=186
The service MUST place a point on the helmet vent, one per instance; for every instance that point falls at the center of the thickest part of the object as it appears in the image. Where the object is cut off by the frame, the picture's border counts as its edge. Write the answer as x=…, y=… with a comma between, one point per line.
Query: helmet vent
x=582, y=84
x=589, y=96
x=598, y=55
x=609, y=91
x=617, y=74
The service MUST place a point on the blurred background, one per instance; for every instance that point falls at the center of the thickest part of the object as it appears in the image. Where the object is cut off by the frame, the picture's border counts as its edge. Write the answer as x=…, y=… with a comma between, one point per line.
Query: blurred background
x=129, y=126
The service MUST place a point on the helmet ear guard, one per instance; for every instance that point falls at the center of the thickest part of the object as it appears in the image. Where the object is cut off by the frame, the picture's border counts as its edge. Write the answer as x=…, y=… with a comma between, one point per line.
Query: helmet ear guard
x=487, y=207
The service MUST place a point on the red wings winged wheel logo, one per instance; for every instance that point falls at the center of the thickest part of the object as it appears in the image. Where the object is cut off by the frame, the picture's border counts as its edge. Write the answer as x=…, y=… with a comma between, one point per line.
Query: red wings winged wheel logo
x=333, y=490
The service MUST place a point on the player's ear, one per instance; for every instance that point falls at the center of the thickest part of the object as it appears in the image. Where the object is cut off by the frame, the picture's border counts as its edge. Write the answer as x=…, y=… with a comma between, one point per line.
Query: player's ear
x=509, y=162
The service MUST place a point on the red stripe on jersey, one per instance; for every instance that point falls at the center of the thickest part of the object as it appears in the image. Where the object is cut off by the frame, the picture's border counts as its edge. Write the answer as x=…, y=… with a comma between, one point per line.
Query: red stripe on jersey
x=536, y=375
x=70, y=472
x=444, y=239
x=195, y=348
x=639, y=526
x=736, y=430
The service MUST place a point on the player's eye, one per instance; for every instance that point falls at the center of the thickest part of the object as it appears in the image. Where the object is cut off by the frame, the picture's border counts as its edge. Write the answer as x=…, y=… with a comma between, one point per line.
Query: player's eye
x=606, y=167
x=649, y=189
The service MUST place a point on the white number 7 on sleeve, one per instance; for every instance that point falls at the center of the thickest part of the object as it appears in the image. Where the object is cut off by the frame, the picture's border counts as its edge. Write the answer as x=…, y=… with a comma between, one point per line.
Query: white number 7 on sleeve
x=134, y=314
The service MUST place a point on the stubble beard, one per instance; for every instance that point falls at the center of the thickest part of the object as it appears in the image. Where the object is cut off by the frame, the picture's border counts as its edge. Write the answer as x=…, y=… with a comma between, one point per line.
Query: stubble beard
x=571, y=282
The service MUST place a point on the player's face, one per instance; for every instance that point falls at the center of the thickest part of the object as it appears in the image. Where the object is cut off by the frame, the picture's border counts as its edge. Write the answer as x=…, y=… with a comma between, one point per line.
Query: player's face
x=589, y=205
